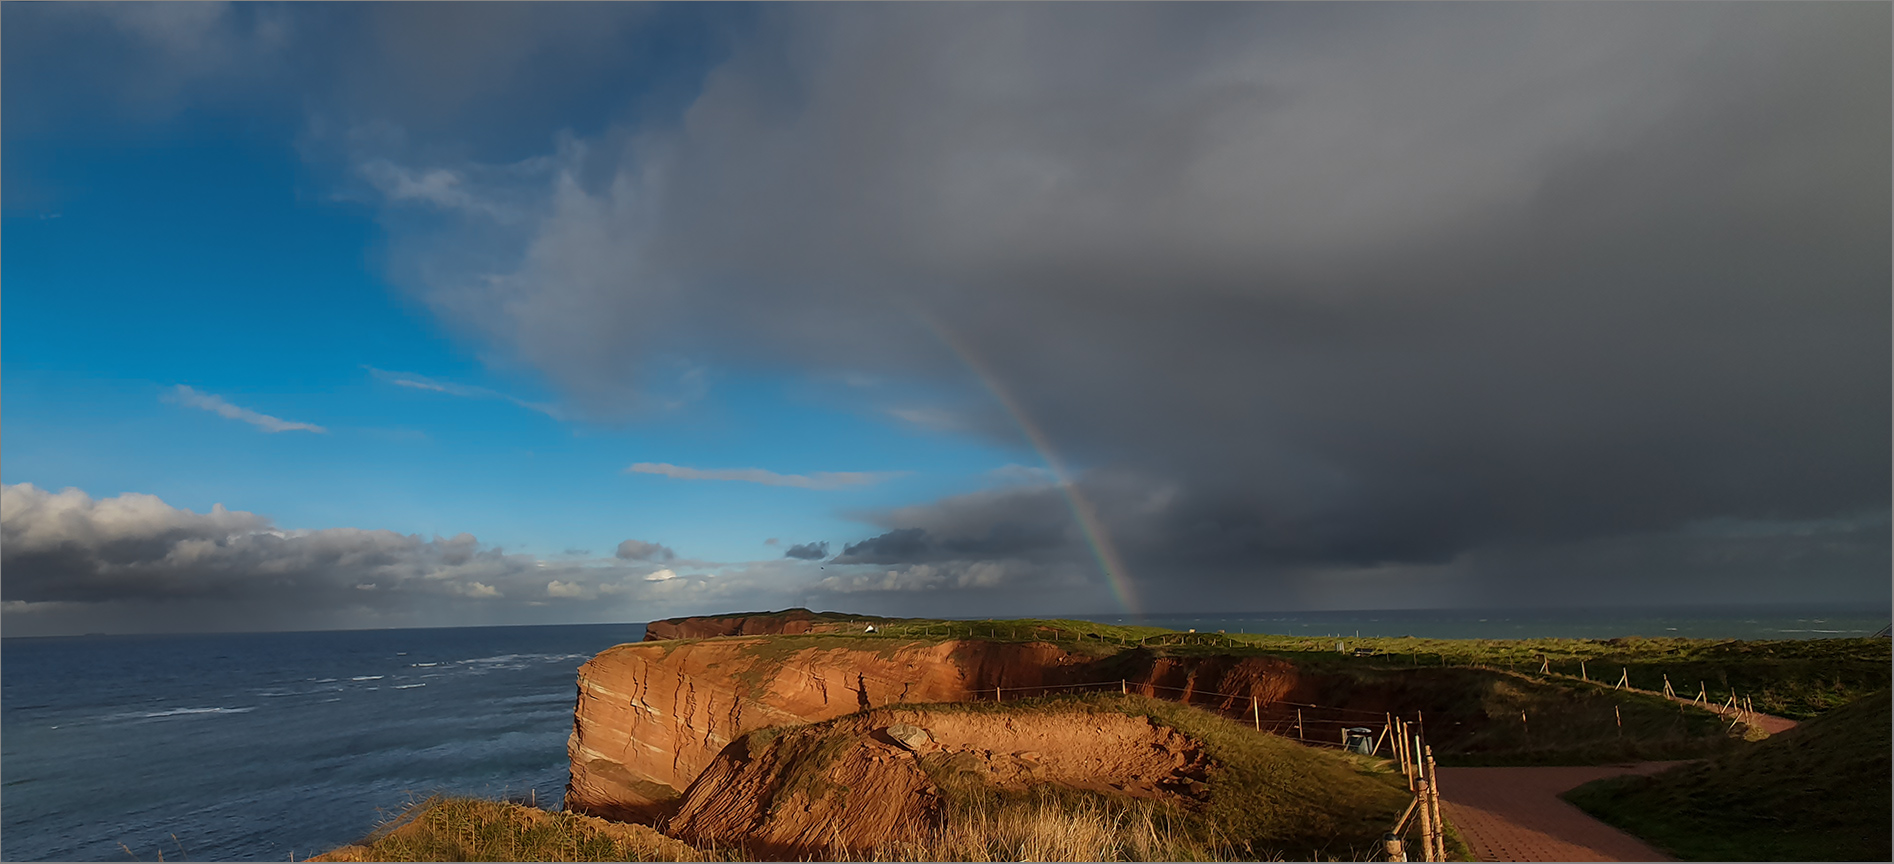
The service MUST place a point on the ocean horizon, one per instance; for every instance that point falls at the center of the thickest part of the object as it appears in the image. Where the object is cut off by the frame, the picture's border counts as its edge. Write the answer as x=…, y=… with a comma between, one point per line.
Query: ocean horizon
x=257, y=746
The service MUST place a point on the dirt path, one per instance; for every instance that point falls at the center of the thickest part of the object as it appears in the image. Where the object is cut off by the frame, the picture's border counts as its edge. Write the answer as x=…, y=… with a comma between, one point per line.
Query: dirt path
x=1515, y=814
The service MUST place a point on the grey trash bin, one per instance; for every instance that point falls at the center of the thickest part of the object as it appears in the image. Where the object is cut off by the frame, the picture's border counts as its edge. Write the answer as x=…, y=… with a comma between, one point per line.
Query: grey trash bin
x=1358, y=739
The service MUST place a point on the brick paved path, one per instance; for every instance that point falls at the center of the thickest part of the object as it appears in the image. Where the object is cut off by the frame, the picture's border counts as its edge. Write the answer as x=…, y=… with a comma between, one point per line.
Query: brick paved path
x=1515, y=814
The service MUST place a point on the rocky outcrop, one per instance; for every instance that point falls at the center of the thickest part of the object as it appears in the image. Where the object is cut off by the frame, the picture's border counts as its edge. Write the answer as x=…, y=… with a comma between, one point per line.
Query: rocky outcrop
x=651, y=717
x=850, y=785
x=788, y=621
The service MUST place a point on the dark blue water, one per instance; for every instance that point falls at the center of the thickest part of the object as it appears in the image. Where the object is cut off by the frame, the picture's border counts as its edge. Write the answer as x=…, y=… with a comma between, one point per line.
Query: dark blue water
x=256, y=746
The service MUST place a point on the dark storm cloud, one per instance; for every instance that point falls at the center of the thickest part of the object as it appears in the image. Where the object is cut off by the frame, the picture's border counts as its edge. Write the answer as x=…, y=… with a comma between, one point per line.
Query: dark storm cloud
x=901, y=545
x=808, y=551
x=639, y=550
x=1351, y=286
x=1465, y=292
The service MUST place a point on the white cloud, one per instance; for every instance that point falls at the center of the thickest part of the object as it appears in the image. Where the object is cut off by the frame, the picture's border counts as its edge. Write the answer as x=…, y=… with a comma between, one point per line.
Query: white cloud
x=813, y=480
x=131, y=554
x=935, y=419
x=135, y=563
x=448, y=388
x=216, y=405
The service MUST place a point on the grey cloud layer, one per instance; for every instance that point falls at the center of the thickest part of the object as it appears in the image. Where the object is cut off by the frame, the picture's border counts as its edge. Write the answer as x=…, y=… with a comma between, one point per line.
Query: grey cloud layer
x=1461, y=293
x=808, y=551
x=1354, y=286
x=134, y=562
x=639, y=550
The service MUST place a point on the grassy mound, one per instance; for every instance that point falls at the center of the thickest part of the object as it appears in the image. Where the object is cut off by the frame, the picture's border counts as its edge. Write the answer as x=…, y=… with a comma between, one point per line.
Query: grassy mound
x=1819, y=792
x=470, y=829
x=1489, y=717
x=1265, y=798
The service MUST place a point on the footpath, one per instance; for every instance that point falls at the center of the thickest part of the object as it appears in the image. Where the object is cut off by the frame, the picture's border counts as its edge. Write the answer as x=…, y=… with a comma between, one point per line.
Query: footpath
x=1516, y=814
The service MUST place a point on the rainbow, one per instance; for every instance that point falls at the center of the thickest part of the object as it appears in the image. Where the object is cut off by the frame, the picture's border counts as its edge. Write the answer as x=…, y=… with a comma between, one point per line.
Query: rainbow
x=1116, y=576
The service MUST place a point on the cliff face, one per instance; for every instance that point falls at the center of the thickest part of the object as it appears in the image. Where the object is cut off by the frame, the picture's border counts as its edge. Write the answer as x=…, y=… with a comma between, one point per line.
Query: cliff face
x=651, y=717
x=848, y=786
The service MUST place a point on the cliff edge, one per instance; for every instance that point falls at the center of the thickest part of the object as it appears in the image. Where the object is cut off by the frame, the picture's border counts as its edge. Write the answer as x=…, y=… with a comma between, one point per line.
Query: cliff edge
x=652, y=716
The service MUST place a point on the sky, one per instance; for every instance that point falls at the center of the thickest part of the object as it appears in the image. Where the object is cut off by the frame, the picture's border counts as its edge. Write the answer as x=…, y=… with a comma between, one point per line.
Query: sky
x=371, y=315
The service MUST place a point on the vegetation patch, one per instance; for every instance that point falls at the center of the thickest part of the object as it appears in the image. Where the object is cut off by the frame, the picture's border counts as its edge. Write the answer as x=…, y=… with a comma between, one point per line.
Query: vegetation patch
x=1794, y=678
x=1819, y=792
x=472, y=829
x=1266, y=796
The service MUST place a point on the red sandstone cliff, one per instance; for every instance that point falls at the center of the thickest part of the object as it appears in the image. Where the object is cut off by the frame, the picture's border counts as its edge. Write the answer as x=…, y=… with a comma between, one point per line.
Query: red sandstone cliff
x=651, y=717
x=848, y=786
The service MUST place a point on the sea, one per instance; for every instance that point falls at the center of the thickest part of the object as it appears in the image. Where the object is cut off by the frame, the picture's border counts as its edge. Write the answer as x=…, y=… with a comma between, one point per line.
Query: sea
x=274, y=746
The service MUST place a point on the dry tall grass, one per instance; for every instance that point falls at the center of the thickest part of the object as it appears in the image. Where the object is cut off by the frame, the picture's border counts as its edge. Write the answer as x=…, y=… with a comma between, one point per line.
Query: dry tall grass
x=1050, y=829
x=470, y=829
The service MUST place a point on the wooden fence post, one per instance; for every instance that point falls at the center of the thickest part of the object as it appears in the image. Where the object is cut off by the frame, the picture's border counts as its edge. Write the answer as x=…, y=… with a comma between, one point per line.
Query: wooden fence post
x=1407, y=761
x=1256, y=711
x=1123, y=689
x=1581, y=671
x=1298, y=723
x=1433, y=802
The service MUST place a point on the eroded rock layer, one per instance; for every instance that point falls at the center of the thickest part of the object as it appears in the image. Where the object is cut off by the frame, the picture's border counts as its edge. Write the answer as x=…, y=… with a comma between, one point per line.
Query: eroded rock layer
x=847, y=786
x=652, y=716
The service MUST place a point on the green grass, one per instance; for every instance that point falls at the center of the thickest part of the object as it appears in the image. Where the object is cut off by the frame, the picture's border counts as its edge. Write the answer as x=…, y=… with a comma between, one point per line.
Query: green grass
x=472, y=829
x=1819, y=792
x=1471, y=692
x=1474, y=717
x=1796, y=678
x=1267, y=797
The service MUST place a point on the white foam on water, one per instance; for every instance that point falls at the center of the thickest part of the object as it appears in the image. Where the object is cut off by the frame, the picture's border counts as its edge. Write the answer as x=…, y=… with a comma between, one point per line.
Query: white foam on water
x=408, y=686
x=367, y=678
x=178, y=712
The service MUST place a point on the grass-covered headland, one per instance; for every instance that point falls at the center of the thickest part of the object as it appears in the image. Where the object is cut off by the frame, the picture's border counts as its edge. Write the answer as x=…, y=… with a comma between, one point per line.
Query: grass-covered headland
x=1819, y=792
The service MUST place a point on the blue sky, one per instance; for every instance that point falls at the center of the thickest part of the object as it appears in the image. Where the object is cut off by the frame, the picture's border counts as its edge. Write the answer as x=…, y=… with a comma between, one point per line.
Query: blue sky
x=184, y=257
x=1019, y=309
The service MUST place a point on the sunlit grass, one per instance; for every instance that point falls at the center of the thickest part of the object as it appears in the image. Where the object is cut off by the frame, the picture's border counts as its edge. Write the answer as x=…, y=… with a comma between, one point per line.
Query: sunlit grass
x=1816, y=793
x=1796, y=678
x=472, y=829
